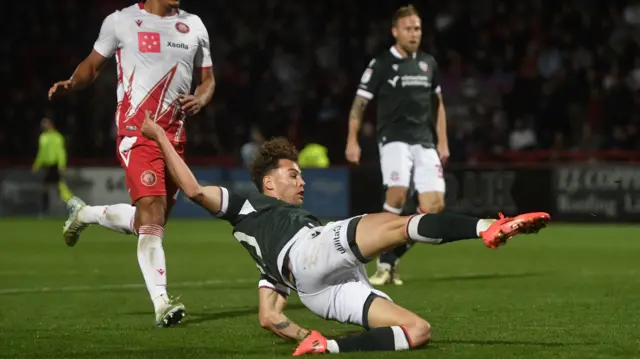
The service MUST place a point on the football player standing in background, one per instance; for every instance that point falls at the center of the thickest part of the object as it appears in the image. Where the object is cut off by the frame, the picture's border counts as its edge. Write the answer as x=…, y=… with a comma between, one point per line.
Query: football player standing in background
x=52, y=156
x=158, y=47
x=405, y=80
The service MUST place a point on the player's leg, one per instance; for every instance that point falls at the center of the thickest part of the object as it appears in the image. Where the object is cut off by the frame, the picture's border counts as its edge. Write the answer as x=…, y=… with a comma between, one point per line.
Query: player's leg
x=428, y=179
x=117, y=217
x=389, y=326
x=391, y=259
x=429, y=184
x=51, y=178
x=334, y=287
x=148, y=184
x=395, y=164
x=377, y=233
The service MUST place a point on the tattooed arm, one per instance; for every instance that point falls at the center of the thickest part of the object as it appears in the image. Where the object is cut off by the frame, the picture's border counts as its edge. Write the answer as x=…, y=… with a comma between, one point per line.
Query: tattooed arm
x=272, y=318
x=355, y=120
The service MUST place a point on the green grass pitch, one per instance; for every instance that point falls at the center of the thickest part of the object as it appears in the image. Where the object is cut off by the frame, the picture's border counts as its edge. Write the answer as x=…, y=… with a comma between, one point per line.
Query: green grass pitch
x=569, y=292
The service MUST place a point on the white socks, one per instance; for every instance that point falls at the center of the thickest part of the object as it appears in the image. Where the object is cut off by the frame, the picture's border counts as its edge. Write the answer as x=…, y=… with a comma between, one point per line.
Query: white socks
x=116, y=217
x=120, y=218
x=483, y=225
x=389, y=208
x=400, y=338
x=332, y=346
x=152, y=263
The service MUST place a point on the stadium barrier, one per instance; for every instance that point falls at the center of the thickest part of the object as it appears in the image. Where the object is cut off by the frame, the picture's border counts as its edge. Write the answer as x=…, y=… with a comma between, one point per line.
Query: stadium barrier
x=603, y=193
x=570, y=192
x=326, y=190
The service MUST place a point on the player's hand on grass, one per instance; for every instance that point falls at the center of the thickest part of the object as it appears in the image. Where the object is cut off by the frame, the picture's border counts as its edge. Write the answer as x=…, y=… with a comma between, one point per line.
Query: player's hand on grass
x=190, y=104
x=443, y=152
x=150, y=128
x=60, y=88
x=352, y=152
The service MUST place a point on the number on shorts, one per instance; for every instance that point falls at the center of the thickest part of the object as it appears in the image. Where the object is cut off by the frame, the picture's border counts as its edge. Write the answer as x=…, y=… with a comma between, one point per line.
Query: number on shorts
x=251, y=245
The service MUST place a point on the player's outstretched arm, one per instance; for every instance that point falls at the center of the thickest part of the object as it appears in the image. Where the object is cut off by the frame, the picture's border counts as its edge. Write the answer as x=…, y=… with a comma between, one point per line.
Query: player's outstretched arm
x=86, y=72
x=272, y=318
x=209, y=197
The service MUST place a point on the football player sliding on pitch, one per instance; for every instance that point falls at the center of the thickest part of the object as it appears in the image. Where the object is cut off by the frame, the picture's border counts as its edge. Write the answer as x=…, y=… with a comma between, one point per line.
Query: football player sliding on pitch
x=325, y=263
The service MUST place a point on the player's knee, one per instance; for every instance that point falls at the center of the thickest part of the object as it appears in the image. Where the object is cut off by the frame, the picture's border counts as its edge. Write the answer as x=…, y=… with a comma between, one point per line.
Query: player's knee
x=396, y=197
x=151, y=210
x=419, y=331
x=432, y=204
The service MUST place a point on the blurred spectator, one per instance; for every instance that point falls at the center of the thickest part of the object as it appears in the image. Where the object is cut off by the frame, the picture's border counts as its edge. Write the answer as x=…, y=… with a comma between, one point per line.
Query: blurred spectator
x=250, y=149
x=523, y=136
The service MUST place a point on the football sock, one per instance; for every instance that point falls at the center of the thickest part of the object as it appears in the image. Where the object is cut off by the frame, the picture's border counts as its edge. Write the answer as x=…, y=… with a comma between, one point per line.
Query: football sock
x=389, y=208
x=117, y=217
x=378, y=339
x=152, y=263
x=388, y=259
x=440, y=228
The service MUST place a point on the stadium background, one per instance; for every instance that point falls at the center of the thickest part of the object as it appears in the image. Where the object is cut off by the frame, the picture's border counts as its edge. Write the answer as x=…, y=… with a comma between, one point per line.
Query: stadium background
x=524, y=82
x=563, y=73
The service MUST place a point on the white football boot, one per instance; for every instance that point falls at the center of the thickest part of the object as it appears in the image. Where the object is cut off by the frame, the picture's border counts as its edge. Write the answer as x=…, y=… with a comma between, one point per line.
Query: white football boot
x=73, y=226
x=386, y=274
x=170, y=314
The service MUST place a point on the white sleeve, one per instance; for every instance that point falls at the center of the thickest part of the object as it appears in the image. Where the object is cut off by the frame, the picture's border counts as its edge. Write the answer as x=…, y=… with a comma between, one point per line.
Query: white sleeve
x=203, y=55
x=279, y=288
x=370, y=80
x=107, y=41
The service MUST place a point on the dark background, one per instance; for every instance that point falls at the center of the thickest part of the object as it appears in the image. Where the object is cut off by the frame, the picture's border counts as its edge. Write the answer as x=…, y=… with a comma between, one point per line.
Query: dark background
x=566, y=71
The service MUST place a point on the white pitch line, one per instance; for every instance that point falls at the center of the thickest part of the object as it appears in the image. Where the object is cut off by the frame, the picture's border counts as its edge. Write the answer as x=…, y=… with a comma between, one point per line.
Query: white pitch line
x=98, y=288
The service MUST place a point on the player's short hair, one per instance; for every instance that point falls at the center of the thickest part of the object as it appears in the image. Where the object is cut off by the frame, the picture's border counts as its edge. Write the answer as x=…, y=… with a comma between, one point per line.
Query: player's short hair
x=268, y=157
x=404, y=12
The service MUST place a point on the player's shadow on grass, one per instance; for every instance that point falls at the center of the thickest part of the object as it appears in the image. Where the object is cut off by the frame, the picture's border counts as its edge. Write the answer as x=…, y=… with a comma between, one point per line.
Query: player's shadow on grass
x=196, y=318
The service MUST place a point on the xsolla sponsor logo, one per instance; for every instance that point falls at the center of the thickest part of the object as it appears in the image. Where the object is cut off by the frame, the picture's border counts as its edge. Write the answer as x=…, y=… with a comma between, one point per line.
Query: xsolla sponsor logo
x=177, y=45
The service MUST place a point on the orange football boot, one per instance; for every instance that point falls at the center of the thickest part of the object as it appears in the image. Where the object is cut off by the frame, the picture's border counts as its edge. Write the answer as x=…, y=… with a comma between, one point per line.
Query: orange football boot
x=315, y=343
x=506, y=227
